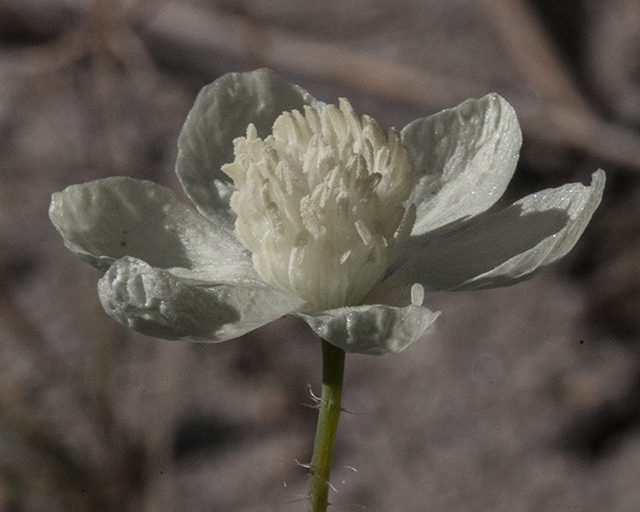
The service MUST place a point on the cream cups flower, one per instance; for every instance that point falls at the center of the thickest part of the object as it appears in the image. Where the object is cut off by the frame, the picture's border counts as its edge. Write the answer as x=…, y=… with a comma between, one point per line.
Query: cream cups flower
x=305, y=208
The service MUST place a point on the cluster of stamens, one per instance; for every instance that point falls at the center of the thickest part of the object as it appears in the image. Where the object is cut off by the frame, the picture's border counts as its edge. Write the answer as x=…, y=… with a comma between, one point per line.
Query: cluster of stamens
x=321, y=203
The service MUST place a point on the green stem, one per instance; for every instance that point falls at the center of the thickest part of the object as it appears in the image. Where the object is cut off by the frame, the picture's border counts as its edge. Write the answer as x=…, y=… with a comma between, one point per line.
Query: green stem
x=332, y=376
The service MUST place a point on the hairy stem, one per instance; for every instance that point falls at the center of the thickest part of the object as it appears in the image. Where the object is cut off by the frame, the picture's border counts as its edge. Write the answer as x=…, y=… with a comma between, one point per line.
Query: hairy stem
x=332, y=376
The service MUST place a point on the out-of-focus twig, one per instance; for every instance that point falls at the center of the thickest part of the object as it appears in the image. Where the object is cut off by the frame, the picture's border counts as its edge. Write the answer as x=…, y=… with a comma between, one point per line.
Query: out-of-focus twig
x=612, y=56
x=18, y=324
x=562, y=115
x=45, y=458
x=533, y=54
x=195, y=34
x=165, y=384
x=192, y=36
x=102, y=34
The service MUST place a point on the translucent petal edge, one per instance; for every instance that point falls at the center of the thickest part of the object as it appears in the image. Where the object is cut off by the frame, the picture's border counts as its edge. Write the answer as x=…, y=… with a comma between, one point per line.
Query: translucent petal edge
x=371, y=329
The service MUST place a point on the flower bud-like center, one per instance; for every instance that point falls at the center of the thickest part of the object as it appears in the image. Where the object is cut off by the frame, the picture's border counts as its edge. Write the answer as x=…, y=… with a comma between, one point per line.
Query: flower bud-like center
x=321, y=203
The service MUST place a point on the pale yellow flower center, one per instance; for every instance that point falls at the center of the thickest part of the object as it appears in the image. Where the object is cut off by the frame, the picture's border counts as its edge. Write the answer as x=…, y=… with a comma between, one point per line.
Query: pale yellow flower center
x=321, y=203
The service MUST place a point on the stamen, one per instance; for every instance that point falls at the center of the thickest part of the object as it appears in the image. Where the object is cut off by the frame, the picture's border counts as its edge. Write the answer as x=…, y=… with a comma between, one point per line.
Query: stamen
x=417, y=294
x=365, y=234
x=320, y=202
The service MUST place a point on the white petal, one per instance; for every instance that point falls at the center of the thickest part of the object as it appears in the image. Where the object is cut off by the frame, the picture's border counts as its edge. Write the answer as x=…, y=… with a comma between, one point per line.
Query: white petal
x=105, y=220
x=371, y=329
x=464, y=157
x=222, y=112
x=504, y=249
x=155, y=302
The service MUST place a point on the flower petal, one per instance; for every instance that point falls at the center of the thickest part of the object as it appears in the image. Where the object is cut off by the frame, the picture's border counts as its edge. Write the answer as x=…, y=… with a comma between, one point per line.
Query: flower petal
x=222, y=112
x=104, y=220
x=155, y=302
x=372, y=329
x=504, y=249
x=464, y=157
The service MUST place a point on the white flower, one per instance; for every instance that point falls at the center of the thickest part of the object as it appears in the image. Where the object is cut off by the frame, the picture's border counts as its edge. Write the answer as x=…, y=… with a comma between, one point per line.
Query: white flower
x=326, y=217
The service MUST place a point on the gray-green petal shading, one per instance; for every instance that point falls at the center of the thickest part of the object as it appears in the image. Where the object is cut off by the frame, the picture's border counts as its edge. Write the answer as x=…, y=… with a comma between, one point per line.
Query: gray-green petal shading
x=221, y=113
x=504, y=249
x=104, y=220
x=156, y=303
x=371, y=329
x=464, y=158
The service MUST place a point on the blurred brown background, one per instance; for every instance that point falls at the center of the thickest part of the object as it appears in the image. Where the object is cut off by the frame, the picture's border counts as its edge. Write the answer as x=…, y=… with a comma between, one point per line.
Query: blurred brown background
x=520, y=399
